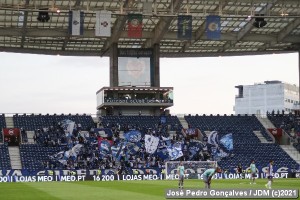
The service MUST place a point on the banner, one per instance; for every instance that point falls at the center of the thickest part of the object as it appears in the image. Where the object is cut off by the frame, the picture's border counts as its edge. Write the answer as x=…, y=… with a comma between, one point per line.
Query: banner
x=76, y=20
x=191, y=133
x=213, y=27
x=135, y=24
x=151, y=143
x=152, y=170
x=103, y=23
x=184, y=24
x=277, y=133
x=12, y=136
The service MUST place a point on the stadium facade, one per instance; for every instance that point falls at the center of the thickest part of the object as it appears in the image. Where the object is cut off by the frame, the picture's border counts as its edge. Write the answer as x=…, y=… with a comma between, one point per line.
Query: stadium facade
x=267, y=97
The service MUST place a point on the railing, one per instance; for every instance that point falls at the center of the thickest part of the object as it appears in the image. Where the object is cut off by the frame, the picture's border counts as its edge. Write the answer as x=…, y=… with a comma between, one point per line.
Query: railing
x=137, y=101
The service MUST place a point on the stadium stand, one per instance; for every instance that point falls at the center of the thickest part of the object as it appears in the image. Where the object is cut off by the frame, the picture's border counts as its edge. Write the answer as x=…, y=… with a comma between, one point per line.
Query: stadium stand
x=141, y=122
x=246, y=145
x=243, y=125
x=290, y=124
x=35, y=157
x=52, y=144
x=34, y=122
x=4, y=157
x=2, y=125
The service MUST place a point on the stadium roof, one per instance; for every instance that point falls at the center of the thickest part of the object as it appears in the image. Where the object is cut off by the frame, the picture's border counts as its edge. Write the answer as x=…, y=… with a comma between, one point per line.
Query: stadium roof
x=20, y=31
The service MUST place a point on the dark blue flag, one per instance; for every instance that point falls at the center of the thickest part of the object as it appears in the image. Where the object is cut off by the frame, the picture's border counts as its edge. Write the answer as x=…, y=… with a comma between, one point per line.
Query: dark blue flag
x=184, y=23
x=194, y=148
x=213, y=27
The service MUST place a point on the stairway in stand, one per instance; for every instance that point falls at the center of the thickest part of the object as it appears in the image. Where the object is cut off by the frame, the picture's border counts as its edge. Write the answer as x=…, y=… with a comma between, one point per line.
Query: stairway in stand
x=15, y=158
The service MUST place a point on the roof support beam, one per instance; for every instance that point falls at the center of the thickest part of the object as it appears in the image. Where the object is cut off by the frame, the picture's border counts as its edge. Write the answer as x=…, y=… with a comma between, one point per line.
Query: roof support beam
x=24, y=25
x=248, y=27
x=162, y=54
x=163, y=25
x=59, y=33
x=288, y=29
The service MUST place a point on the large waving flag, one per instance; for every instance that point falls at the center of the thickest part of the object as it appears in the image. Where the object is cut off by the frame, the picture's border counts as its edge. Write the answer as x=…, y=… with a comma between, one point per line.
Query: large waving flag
x=68, y=126
x=63, y=156
x=175, y=151
x=213, y=27
x=132, y=148
x=184, y=23
x=151, y=143
x=103, y=23
x=135, y=25
x=104, y=147
x=213, y=138
x=117, y=150
x=133, y=136
x=194, y=148
x=76, y=20
x=227, y=141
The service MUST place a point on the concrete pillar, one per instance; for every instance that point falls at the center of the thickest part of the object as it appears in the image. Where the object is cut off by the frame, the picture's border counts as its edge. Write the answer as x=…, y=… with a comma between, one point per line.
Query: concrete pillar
x=156, y=56
x=113, y=68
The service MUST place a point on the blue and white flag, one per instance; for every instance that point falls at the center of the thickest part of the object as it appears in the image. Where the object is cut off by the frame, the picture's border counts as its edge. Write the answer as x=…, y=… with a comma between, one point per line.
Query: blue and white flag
x=63, y=156
x=213, y=138
x=227, y=141
x=132, y=148
x=103, y=23
x=184, y=27
x=133, y=136
x=163, y=153
x=151, y=143
x=194, y=148
x=68, y=126
x=75, y=150
x=174, y=153
x=76, y=20
x=104, y=148
x=213, y=27
x=117, y=150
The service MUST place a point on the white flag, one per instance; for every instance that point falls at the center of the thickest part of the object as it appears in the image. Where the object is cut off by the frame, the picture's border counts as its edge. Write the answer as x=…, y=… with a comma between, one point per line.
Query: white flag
x=151, y=143
x=76, y=22
x=103, y=23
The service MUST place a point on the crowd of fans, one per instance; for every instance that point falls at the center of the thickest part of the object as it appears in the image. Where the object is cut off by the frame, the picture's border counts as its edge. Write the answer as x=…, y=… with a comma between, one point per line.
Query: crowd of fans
x=89, y=156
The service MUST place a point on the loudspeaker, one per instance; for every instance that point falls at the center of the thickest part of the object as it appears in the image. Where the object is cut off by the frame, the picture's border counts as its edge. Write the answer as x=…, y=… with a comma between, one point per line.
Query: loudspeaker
x=259, y=21
x=43, y=16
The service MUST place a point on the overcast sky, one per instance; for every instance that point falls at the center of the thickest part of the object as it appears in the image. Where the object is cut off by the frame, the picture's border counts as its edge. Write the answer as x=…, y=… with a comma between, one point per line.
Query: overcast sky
x=58, y=84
